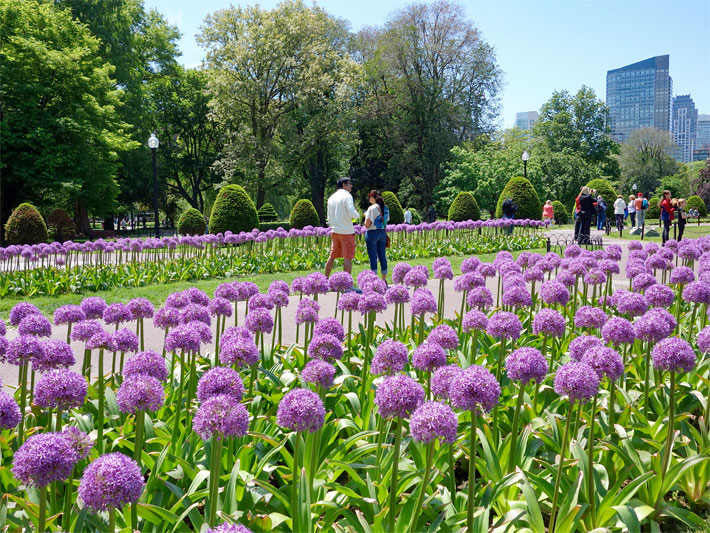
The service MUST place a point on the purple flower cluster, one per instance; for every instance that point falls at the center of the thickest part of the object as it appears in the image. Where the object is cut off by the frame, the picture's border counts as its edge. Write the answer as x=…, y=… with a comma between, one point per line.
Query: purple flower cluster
x=221, y=307
x=69, y=314
x=526, y=364
x=166, y=318
x=442, y=378
x=126, y=340
x=605, y=361
x=340, y=281
x=576, y=380
x=398, y=396
x=220, y=380
x=399, y=271
x=147, y=363
x=259, y=321
x=307, y=311
x=474, y=320
x=44, y=458
x=434, y=420
x=673, y=354
x=469, y=281
x=549, y=322
x=390, y=358
x=319, y=373
x=350, y=301
x=102, y=340
x=301, y=410
x=703, y=340
x=21, y=310
x=56, y=353
x=23, y=349
x=372, y=302
x=93, y=307
x=35, y=324
x=325, y=347
x=580, y=345
x=238, y=348
x=184, y=338
x=474, y=388
x=330, y=326
x=229, y=528
x=140, y=308
x=397, y=294
x=660, y=295
x=504, y=325
x=221, y=417
x=140, y=392
x=423, y=302
x=479, y=298
x=61, y=389
x=84, y=330
x=9, y=411
x=110, y=482
x=590, y=317
x=428, y=356
x=655, y=325
x=116, y=314
x=417, y=277
x=618, y=330
x=445, y=336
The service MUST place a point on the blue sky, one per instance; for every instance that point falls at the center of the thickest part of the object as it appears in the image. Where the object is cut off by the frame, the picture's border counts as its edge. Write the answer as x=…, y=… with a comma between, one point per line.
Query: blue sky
x=542, y=45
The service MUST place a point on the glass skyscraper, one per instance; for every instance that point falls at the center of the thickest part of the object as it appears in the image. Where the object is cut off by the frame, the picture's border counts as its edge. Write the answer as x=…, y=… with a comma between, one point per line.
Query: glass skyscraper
x=702, y=136
x=685, y=122
x=526, y=119
x=639, y=96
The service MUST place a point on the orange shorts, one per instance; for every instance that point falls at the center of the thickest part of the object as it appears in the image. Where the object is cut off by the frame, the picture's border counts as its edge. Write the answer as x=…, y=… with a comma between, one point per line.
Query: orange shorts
x=342, y=245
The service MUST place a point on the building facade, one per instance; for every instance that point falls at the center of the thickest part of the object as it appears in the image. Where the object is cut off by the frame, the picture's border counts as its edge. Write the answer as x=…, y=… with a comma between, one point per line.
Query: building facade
x=685, y=122
x=702, y=132
x=526, y=119
x=639, y=96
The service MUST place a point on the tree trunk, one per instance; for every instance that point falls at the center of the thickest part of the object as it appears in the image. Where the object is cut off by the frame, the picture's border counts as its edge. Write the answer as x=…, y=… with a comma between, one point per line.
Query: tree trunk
x=81, y=219
x=316, y=177
x=108, y=223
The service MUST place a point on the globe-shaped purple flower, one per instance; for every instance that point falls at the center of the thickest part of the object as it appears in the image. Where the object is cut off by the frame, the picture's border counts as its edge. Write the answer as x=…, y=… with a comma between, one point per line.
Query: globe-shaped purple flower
x=177, y=300
x=390, y=358
x=580, y=345
x=576, y=380
x=517, y=296
x=307, y=311
x=102, y=340
x=445, y=336
x=21, y=310
x=673, y=354
x=228, y=291
x=350, y=301
x=9, y=411
x=93, y=307
x=195, y=313
x=301, y=410
x=330, y=326
x=605, y=361
x=479, y=298
x=400, y=270
x=526, y=364
x=68, y=314
x=196, y=296
x=470, y=264
x=340, y=282
x=147, y=363
x=442, y=378
x=220, y=380
x=166, y=318
x=703, y=340
x=110, y=482
x=642, y=282
x=474, y=320
x=325, y=347
x=397, y=294
x=140, y=393
x=417, y=277
x=61, y=389
x=549, y=322
x=278, y=299
x=682, y=274
x=618, y=330
x=630, y=303
x=56, y=353
x=434, y=420
x=35, y=324
x=184, y=338
x=504, y=325
x=655, y=325
x=230, y=528
x=140, y=308
x=221, y=417
x=79, y=441
x=371, y=302
x=126, y=340
x=44, y=458
x=260, y=301
x=474, y=388
x=590, y=317
x=423, y=302
x=238, y=350
x=259, y=321
x=428, y=356
x=468, y=282
x=697, y=292
x=84, y=330
x=660, y=295
x=221, y=307
x=116, y=314
x=319, y=373
x=398, y=396
x=23, y=349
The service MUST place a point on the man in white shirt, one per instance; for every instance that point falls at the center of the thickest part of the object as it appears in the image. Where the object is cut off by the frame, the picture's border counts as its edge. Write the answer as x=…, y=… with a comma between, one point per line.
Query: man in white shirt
x=341, y=212
x=407, y=216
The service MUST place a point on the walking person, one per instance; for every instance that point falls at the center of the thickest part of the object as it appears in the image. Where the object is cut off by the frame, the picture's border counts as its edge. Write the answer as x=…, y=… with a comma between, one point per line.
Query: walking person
x=430, y=213
x=341, y=212
x=632, y=210
x=577, y=217
x=666, y=215
x=586, y=212
x=407, y=216
x=682, y=215
x=641, y=206
x=509, y=208
x=376, y=218
x=548, y=213
x=619, y=210
x=601, y=212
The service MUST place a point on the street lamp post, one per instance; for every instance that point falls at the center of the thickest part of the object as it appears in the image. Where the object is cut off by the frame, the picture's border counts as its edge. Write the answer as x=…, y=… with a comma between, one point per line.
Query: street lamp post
x=153, y=144
x=525, y=158
x=634, y=187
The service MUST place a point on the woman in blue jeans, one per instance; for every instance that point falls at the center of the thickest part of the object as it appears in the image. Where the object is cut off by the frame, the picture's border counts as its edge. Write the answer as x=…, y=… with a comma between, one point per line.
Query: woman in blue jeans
x=376, y=218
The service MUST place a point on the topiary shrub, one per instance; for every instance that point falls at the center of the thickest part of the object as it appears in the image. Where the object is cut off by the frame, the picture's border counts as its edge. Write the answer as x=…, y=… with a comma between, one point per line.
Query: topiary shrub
x=266, y=226
x=233, y=210
x=25, y=226
x=464, y=207
x=523, y=193
x=267, y=213
x=607, y=192
x=416, y=217
x=396, y=211
x=192, y=222
x=654, y=209
x=561, y=214
x=303, y=214
x=695, y=202
x=60, y=226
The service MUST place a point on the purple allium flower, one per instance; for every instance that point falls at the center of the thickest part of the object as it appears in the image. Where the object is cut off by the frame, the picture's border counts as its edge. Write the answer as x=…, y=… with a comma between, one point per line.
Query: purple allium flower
x=116, y=314
x=517, y=296
x=673, y=354
x=573, y=250
x=220, y=380
x=445, y=336
x=80, y=442
x=221, y=416
x=590, y=317
x=259, y=321
x=93, y=307
x=470, y=264
x=703, y=340
x=442, y=378
x=319, y=282
x=9, y=411
x=196, y=296
x=400, y=270
x=44, y=458
x=340, y=282
x=566, y=278
x=660, y=295
x=301, y=410
x=195, y=313
x=35, y=324
x=56, y=353
x=697, y=292
x=103, y=340
x=110, y=482
x=84, y=330
x=238, y=350
x=221, y=307
x=184, y=338
x=487, y=270
x=398, y=396
x=605, y=361
x=642, y=282
x=397, y=294
x=428, y=356
x=418, y=276
x=473, y=388
x=609, y=267
x=260, y=301
x=21, y=310
x=177, y=300
x=372, y=302
x=682, y=274
x=166, y=318
x=126, y=340
x=479, y=298
x=280, y=286
x=618, y=330
x=350, y=301
x=581, y=345
x=655, y=325
x=504, y=325
x=595, y=276
x=549, y=322
x=534, y=274
x=576, y=380
x=278, y=298
x=330, y=326
x=630, y=303
x=3, y=327
x=140, y=392
x=140, y=308
x=434, y=420
x=374, y=285
x=423, y=302
x=443, y=271
x=228, y=291
x=68, y=314
x=325, y=347
x=469, y=281
x=230, y=528
x=24, y=349
x=474, y=320
x=147, y=363
x=390, y=358
x=319, y=373
x=526, y=364
x=3, y=351
x=297, y=285
x=307, y=311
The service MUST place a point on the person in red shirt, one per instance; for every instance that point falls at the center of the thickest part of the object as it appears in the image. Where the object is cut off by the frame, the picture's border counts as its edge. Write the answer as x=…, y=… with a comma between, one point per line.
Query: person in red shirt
x=577, y=218
x=666, y=214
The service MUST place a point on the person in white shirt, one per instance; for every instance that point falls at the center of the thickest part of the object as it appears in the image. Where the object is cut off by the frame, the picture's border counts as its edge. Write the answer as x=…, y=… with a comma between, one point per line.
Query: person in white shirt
x=376, y=219
x=407, y=216
x=619, y=208
x=341, y=212
x=632, y=210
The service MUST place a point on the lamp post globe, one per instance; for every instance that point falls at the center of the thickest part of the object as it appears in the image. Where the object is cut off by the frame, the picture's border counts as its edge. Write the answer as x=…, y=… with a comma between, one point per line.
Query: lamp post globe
x=153, y=144
x=525, y=158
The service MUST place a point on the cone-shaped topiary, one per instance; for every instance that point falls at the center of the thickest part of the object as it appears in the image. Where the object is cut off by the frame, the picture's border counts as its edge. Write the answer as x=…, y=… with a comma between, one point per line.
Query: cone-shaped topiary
x=416, y=217
x=464, y=207
x=267, y=213
x=695, y=202
x=25, y=226
x=524, y=195
x=607, y=192
x=60, y=226
x=396, y=211
x=192, y=223
x=561, y=215
x=233, y=210
x=303, y=214
x=654, y=209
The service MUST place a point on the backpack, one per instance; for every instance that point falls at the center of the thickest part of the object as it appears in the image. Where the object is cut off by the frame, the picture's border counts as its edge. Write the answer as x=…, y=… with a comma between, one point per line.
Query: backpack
x=644, y=204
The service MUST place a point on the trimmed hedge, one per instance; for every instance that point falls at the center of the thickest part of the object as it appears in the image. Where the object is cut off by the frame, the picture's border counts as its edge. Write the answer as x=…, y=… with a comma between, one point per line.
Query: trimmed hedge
x=416, y=217
x=304, y=214
x=233, y=210
x=25, y=226
x=266, y=226
x=395, y=208
x=607, y=192
x=464, y=207
x=267, y=213
x=561, y=214
x=191, y=222
x=654, y=209
x=523, y=193
x=60, y=226
x=695, y=202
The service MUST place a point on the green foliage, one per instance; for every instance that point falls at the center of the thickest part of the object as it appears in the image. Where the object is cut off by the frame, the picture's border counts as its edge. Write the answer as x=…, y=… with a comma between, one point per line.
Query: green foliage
x=604, y=188
x=680, y=183
x=654, y=208
x=191, y=222
x=695, y=202
x=303, y=214
x=464, y=207
x=233, y=210
x=25, y=226
x=267, y=213
x=561, y=214
x=395, y=208
x=416, y=217
x=524, y=195
x=266, y=226
x=644, y=160
x=60, y=226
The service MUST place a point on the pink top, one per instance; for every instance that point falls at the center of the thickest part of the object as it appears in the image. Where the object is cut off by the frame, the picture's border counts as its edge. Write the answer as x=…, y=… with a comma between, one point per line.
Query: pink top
x=547, y=211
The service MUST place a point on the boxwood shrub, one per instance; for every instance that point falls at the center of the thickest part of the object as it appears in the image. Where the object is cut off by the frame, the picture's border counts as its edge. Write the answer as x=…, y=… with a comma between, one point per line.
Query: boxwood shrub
x=25, y=226
x=695, y=202
x=304, y=214
x=561, y=215
x=394, y=206
x=464, y=207
x=191, y=223
x=267, y=213
x=233, y=210
x=523, y=193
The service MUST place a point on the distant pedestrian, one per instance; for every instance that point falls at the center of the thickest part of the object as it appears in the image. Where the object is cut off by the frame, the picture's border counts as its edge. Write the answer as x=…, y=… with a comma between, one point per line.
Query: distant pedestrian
x=682, y=216
x=509, y=209
x=666, y=215
x=341, y=212
x=407, y=216
x=548, y=213
x=619, y=209
x=430, y=213
x=586, y=212
x=641, y=207
x=577, y=218
x=601, y=212
x=632, y=210
x=376, y=218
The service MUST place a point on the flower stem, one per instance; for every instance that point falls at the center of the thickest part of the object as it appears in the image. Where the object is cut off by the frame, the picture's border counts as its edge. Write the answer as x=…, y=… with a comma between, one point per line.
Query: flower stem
x=100, y=437
x=137, y=452
x=42, y=508
x=112, y=520
x=393, y=479
x=590, y=469
x=563, y=450
x=66, y=516
x=514, y=432
x=452, y=475
x=23, y=395
x=215, y=470
x=294, y=483
x=646, y=379
x=471, y=473
x=422, y=488
x=669, y=439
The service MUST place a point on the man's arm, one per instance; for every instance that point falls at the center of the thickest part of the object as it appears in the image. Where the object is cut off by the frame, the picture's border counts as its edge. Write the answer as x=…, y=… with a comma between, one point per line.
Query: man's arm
x=351, y=208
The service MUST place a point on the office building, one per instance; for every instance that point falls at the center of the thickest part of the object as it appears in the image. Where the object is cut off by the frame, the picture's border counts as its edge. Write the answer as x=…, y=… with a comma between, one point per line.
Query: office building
x=526, y=119
x=639, y=96
x=701, y=154
x=702, y=132
x=685, y=122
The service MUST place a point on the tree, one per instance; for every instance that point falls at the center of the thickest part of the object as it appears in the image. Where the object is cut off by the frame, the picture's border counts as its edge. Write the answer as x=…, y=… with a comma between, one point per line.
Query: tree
x=701, y=185
x=60, y=132
x=644, y=159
